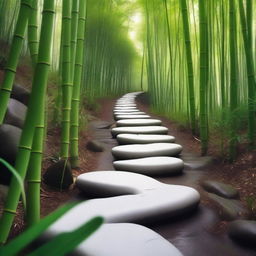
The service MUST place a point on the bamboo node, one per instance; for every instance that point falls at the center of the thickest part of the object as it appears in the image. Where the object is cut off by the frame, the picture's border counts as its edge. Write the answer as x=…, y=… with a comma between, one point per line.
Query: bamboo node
x=48, y=10
x=32, y=26
x=19, y=36
x=24, y=147
x=9, y=211
x=66, y=17
x=26, y=5
x=33, y=181
x=10, y=69
x=67, y=84
x=6, y=90
x=44, y=63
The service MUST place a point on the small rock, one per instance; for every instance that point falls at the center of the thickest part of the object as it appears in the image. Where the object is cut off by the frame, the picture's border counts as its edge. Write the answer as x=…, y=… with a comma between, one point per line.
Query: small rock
x=9, y=142
x=230, y=209
x=16, y=113
x=59, y=175
x=102, y=124
x=220, y=189
x=20, y=93
x=95, y=146
x=243, y=231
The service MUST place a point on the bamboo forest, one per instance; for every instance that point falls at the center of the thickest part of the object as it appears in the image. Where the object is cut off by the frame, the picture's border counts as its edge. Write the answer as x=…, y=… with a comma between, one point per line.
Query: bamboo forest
x=128, y=127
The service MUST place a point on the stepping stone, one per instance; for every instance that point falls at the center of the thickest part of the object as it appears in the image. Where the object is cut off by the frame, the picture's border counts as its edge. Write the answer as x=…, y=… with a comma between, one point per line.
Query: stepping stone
x=124, y=110
x=126, y=116
x=116, y=239
x=143, y=138
x=20, y=93
x=143, y=199
x=221, y=189
x=138, y=122
x=101, y=124
x=230, y=209
x=126, y=105
x=9, y=142
x=243, y=231
x=129, y=113
x=16, y=113
x=59, y=175
x=95, y=146
x=139, y=130
x=151, y=165
x=146, y=150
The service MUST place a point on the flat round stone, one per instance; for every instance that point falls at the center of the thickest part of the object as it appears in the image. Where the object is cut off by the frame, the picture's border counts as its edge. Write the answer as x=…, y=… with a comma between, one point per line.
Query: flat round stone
x=126, y=105
x=143, y=199
x=129, y=113
x=151, y=165
x=123, y=110
x=125, y=102
x=146, y=150
x=139, y=130
x=243, y=231
x=115, y=239
x=138, y=122
x=220, y=189
x=124, y=116
x=127, y=138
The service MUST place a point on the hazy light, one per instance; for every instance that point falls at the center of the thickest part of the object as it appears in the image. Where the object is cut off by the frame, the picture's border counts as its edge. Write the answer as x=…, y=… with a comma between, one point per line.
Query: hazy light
x=134, y=25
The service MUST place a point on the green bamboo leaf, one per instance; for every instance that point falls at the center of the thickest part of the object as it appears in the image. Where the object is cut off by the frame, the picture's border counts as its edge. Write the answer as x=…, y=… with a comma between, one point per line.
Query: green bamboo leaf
x=70, y=239
x=19, y=243
x=19, y=179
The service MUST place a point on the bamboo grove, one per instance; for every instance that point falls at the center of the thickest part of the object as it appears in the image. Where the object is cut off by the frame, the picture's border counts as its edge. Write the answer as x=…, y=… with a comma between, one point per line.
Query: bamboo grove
x=91, y=61
x=200, y=67
x=196, y=59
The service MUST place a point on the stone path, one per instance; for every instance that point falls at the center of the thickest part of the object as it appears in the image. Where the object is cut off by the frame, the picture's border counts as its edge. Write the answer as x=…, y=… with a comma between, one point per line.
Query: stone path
x=132, y=197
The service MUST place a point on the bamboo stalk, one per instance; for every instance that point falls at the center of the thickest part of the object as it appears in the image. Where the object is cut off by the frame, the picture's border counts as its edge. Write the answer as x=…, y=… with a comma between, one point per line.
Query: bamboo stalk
x=16, y=47
x=79, y=61
x=35, y=107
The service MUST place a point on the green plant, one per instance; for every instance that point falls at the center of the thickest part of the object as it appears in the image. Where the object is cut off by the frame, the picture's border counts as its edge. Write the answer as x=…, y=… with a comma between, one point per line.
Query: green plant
x=55, y=245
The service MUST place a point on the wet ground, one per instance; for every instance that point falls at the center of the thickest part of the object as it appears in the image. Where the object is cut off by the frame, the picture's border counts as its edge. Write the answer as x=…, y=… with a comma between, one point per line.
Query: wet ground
x=193, y=235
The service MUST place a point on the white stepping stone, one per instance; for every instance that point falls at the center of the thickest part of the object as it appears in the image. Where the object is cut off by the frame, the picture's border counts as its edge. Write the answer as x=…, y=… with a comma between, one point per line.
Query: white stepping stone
x=127, y=138
x=125, y=116
x=126, y=110
x=134, y=151
x=129, y=113
x=138, y=122
x=151, y=165
x=116, y=240
x=143, y=199
x=139, y=130
x=126, y=105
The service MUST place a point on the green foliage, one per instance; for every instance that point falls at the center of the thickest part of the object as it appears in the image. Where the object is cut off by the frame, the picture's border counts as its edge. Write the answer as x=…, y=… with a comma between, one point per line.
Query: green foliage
x=109, y=53
x=55, y=245
x=215, y=47
x=18, y=178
